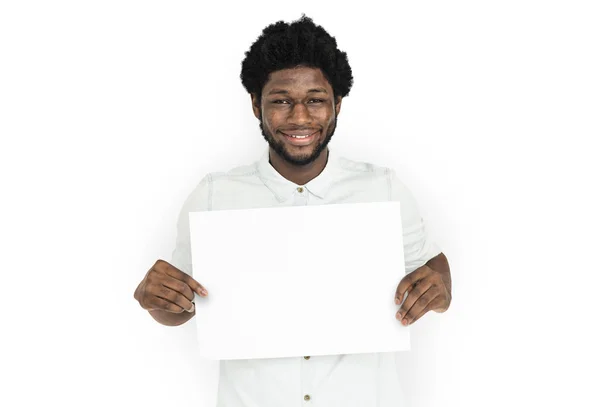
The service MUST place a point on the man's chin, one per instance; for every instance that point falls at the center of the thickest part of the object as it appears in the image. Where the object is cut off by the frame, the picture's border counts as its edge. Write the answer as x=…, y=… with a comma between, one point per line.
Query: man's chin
x=297, y=158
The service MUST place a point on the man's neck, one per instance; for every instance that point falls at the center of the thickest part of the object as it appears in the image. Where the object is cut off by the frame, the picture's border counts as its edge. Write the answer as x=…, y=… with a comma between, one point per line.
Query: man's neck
x=298, y=174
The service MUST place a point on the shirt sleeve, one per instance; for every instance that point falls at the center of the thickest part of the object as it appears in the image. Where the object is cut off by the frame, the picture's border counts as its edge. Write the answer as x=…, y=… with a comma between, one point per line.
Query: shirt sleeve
x=197, y=201
x=418, y=246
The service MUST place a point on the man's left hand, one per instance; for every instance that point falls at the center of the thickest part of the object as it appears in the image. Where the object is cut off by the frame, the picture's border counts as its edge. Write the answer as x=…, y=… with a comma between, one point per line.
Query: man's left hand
x=429, y=289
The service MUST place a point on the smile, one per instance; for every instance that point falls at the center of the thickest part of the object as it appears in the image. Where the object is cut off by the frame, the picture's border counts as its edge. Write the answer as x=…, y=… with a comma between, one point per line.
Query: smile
x=300, y=138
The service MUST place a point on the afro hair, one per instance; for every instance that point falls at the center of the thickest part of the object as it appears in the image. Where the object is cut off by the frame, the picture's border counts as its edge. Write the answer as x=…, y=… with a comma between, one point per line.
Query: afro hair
x=301, y=43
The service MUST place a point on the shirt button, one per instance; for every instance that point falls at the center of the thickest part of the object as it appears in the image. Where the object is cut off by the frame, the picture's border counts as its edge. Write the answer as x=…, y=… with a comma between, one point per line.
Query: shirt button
x=306, y=357
x=306, y=397
x=300, y=189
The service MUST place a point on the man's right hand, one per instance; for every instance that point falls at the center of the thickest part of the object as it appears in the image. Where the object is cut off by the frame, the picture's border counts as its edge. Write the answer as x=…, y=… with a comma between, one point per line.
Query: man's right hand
x=166, y=289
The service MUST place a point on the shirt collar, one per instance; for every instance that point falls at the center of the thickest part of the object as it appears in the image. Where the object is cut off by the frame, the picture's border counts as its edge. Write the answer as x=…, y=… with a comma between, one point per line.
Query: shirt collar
x=283, y=189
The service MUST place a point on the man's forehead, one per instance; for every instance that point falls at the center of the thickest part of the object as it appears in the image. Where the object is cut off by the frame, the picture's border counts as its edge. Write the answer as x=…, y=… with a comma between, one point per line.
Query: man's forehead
x=305, y=78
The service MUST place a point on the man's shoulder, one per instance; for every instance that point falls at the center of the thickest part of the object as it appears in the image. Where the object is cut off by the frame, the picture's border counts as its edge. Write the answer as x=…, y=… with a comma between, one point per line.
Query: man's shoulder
x=370, y=176
x=356, y=167
x=238, y=172
x=244, y=173
x=200, y=198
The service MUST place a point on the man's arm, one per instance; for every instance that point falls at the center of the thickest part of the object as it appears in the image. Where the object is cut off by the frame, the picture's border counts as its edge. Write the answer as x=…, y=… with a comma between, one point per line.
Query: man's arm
x=181, y=259
x=428, y=281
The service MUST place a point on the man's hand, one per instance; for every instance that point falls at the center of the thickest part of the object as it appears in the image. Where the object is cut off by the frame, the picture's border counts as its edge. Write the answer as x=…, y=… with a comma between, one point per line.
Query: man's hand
x=165, y=288
x=429, y=289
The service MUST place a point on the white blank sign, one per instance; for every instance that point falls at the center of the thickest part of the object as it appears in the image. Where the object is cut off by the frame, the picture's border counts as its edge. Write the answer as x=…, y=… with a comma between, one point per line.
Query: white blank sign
x=293, y=281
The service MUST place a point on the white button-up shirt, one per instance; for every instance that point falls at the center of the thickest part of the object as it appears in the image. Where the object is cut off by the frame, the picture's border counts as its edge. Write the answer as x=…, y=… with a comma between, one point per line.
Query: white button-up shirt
x=324, y=381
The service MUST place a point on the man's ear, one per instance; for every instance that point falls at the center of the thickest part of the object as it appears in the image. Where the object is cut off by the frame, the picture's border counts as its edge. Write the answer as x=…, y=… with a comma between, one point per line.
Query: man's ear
x=338, y=105
x=255, y=105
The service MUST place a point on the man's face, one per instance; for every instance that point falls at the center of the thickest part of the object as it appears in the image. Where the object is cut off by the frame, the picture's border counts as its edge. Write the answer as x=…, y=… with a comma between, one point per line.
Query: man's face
x=297, y=113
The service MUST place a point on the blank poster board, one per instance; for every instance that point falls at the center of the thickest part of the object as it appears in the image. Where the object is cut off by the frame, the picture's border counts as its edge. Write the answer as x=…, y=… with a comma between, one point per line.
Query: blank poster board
x=302, y=280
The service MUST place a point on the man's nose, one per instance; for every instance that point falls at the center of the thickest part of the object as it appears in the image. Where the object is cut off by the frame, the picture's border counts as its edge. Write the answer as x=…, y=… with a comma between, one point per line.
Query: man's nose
x=300, y=114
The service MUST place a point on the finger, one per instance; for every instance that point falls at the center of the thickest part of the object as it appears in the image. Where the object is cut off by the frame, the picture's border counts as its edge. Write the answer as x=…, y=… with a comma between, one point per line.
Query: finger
x=408, y=282
x=181, y=276
x=433, y=305
x=163, y=305
x=413, y=296
x=421, y=306
x=172, y=296
x=415, y=319
x=179, y=286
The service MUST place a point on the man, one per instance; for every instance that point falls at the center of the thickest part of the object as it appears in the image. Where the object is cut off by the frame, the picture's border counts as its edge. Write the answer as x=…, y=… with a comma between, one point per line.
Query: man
x=296, y=77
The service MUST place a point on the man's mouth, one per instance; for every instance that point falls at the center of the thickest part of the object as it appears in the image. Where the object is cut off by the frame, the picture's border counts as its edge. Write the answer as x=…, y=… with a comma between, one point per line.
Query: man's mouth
x=300, y=137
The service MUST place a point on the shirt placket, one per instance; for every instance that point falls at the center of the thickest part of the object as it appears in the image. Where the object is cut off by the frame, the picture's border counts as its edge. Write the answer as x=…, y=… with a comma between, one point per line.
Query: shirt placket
x=307, y=381
x=300, y=196
x=301, y=199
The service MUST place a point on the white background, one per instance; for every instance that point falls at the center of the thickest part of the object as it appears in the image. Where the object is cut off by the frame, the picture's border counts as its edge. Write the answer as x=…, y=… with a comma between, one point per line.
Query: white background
x=112, y=111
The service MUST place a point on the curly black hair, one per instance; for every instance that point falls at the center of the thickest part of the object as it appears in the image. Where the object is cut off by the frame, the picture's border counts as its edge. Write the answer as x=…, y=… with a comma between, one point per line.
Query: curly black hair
x=301, y=43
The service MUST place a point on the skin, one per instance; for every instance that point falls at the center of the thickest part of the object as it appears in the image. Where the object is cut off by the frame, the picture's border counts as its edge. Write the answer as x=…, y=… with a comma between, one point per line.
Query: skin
x=167, y=294
x=297, y=101
x=294, y=101
x=429, y=288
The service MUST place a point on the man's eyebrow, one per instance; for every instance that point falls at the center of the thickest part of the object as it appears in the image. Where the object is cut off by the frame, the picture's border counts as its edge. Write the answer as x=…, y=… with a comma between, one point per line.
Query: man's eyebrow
x=285, y=92
x=278, y=91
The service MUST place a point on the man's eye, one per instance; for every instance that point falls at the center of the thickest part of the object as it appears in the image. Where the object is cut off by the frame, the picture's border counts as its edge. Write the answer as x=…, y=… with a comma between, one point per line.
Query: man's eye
x=315, y=101
x=280, y=101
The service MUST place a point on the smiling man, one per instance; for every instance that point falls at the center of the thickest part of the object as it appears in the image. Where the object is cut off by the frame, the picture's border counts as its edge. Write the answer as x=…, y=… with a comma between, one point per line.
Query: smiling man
x=305, y=94
x=297, y=77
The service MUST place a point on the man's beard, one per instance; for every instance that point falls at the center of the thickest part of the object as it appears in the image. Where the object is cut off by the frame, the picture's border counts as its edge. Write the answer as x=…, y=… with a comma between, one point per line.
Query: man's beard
x=279, y=146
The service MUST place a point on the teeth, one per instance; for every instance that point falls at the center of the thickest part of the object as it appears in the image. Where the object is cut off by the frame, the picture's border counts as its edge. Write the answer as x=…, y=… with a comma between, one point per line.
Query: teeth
x=305, y=136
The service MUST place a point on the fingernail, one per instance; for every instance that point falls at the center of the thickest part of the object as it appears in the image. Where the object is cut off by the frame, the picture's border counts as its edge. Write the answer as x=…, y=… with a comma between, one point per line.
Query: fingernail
x=192, y=308
x=397, y=300
x=203, y=291
x=398, y=316
x=405, y=322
